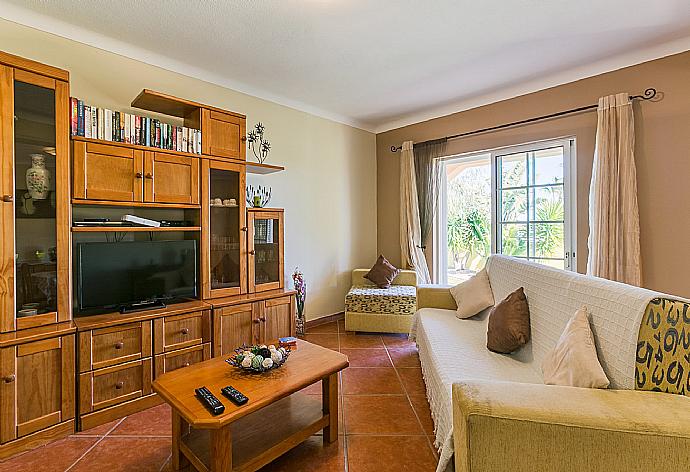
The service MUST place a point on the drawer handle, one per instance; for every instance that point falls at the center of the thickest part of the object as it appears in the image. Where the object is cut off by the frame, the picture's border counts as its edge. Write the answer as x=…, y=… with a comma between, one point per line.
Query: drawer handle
x=263, y=319
x=10, y=378
x=138, y=175
x=186, y=364
x=148, y=175
x=184, y=331
x=244, y=228
x=243, y=138
x=119, y=385
x=257, y=320
x=7, y=198
x=119, y=345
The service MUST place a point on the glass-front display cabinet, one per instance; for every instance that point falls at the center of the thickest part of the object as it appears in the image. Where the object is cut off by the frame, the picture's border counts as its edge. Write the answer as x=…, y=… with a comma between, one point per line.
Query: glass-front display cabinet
x=34, y=120
x=266, y=262
x=224, y=229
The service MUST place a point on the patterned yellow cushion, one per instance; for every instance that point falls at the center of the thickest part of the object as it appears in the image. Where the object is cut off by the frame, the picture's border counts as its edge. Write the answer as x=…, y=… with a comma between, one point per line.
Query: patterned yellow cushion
x=395, y=300
x=663, y=348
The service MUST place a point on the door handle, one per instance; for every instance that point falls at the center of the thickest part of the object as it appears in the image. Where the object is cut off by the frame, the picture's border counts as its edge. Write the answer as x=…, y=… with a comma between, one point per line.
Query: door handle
x=263, y=319
x=257, y=320
x=138, y=175
x=252, y=252
x=7, y=198
x=243, y=228
x=10, y=378
x=149, y=175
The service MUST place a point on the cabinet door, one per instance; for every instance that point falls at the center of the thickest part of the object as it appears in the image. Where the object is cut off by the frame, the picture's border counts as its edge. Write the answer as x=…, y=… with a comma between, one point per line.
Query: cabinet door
x=107, y=172
x=223, y=135
x=265, y=249
x=234, y=326
x=170, y=178
x=34, y=207
x=277, y=316
x=224, y=230
x=37, y=390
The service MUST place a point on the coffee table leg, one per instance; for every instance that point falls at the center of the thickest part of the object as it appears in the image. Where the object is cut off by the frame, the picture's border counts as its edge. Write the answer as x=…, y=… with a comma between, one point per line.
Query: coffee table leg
x=221, y=450
x=330, y=407
x=179, y=429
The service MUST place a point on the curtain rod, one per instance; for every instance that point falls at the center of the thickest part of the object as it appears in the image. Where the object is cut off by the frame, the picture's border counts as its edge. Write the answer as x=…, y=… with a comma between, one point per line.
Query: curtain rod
x=647, y=95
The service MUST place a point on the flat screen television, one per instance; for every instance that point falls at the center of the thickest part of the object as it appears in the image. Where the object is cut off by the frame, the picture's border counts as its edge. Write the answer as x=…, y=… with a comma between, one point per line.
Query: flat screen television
x=130, y=275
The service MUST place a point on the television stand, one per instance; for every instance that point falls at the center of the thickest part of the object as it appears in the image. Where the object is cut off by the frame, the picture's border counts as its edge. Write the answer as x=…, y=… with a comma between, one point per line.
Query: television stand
x=141, y=306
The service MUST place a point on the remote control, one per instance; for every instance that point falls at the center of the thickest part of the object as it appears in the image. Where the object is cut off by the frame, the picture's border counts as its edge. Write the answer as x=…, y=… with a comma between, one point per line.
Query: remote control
x=209, y=400
x=234, y=395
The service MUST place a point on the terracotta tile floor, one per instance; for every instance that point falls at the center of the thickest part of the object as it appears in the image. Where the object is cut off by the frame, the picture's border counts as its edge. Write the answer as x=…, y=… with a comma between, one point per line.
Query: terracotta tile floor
x=385, y=423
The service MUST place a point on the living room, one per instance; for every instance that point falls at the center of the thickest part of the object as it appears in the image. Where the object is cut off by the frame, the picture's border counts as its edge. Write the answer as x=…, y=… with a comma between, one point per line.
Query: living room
x=469, y=216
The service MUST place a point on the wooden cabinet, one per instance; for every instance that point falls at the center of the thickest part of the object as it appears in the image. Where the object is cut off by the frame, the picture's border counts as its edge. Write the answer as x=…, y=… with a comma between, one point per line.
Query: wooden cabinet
x=181, y=331
x=120, y=173
x=223, y=134
x=224, y=229
x=34, y=199
x=37, y=387
x=170, y=178
x=265, y=249
x=260, y=322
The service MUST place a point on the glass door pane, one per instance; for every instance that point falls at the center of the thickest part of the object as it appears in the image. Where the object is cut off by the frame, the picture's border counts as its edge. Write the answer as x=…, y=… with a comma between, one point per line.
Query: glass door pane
x=267, y=235
x=35, y=200
x=225, y=219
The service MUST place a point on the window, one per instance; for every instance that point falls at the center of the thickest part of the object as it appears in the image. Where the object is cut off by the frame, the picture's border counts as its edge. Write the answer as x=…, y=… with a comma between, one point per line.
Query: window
x=517, y=201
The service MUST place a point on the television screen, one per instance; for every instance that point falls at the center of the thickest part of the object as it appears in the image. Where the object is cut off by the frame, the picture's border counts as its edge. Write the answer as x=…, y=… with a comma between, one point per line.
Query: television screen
x=112, y=275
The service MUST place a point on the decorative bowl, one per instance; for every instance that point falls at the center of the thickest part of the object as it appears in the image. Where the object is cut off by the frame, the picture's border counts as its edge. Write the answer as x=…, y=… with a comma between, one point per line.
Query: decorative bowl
x=258, y=358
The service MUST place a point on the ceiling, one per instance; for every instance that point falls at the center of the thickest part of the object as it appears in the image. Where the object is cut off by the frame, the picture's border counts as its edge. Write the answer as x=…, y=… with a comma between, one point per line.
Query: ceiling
x=376, y=64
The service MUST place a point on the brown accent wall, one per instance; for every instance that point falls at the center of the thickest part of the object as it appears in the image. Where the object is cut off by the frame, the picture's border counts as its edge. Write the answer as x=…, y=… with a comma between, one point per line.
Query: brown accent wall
x=662, y=154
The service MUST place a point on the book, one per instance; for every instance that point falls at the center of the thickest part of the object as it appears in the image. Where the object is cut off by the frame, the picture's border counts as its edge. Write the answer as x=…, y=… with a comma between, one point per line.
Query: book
x=94, y=123
x=74, y=113
x=108, y=125
x=127, y=130
x=137, y=129
x=80, y=118
x=87, y=121
x=101, y=131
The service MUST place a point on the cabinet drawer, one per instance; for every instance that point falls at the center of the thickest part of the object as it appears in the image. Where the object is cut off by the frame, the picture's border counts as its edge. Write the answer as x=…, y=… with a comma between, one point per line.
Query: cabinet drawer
x=223, y=135
x=179, y=331
x=106, y=387
x=181, y=358
x=109, y=346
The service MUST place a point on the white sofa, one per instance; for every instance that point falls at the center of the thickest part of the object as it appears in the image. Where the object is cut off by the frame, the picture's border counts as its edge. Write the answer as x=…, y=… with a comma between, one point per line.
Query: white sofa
x=453, y=352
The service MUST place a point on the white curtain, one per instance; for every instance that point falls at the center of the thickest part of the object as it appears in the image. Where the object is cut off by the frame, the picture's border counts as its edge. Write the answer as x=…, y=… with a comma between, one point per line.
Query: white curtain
x=412, y=255
x=614, y=222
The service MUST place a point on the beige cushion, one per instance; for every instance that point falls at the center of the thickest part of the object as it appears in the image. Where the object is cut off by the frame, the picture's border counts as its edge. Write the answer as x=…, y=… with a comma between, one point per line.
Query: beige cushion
x=473, y=295
x=574, y=362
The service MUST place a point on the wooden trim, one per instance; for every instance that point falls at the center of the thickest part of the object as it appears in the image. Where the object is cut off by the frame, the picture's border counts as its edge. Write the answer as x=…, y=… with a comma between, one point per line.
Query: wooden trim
x=79, y=201
x=97, y=418
x=34, y=79
x=7, y=308
x=37, y=424
x=116, y=318
x=63, y=207
x=134, y=146
x=250, y=298
x=160, y=102
x=68, y=397
x=133, y=229
x=35, y=334
x=8, y=394
x=325, y=319
x=37, y=320
x=38, y=346
x=33, y=66
x=265, y=213
x=37, y=439
x=277, y=301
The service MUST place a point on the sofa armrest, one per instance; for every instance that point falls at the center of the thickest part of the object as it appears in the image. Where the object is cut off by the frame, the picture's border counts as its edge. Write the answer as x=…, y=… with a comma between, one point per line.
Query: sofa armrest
x=405, y=277
x=507, y=426
x=435, y=296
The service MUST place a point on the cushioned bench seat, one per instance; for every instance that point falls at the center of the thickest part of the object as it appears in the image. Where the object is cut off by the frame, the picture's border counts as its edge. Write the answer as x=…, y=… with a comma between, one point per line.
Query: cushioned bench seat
x=395, y=300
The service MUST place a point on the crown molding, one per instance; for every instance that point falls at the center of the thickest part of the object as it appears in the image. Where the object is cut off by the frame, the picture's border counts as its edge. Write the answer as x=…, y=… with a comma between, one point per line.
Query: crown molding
x=571, y=75
x=32, y=19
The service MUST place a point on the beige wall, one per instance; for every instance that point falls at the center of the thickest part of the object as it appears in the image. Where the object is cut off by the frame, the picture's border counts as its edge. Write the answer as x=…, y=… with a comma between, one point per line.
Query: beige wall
x=330, y=182
x=662, y=156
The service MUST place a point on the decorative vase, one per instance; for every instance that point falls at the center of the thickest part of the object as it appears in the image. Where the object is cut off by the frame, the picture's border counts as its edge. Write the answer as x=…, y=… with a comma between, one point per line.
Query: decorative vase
x=300, y=324
x=38, y=178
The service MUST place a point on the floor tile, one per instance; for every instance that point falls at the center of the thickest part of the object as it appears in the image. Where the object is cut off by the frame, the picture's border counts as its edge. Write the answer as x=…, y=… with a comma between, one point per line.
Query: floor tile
x=397, y=340
x=405, y=356
x=371, y=380
x=326, y=340
x=389, y=454
x=421, y=407
x=311, y=456
x=367, y=357
x=100, y=430
x=54, y=457
x=327, y=328
x=380, y=415
x=115, y=454
x=156, y=421
x=412, y=380
x=348, y=341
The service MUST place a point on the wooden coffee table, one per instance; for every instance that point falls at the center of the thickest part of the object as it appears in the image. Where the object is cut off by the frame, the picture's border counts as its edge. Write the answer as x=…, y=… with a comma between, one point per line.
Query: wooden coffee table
x=277, y=417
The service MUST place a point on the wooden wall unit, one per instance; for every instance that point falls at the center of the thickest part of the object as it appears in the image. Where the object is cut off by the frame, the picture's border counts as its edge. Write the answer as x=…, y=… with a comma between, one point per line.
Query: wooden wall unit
x=59, y=373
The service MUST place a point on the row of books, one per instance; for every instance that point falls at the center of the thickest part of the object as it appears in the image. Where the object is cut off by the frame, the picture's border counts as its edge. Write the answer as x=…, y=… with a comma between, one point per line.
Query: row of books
x=101, y=123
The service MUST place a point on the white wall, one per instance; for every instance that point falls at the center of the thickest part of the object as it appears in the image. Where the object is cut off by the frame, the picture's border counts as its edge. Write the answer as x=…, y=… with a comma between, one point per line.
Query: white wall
x=328, y=190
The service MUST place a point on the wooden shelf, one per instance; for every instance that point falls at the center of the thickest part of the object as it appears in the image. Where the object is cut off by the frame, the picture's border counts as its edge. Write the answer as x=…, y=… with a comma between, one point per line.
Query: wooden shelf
x=256, y=168
x=183, y=206
x=134, y=146
x=133, y=229
x=165, y=104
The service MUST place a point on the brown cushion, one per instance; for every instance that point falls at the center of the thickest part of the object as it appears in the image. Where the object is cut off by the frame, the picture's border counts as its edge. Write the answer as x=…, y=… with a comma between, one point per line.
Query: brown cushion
x=383, y=273
x=509, y=324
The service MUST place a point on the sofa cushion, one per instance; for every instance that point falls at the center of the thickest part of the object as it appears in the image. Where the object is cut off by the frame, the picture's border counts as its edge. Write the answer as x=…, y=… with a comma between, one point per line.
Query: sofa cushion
x=574, y=362
x=509, y=327
x=663, y=347
x=473, y=295
x=382, y=273
x=394, y=300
